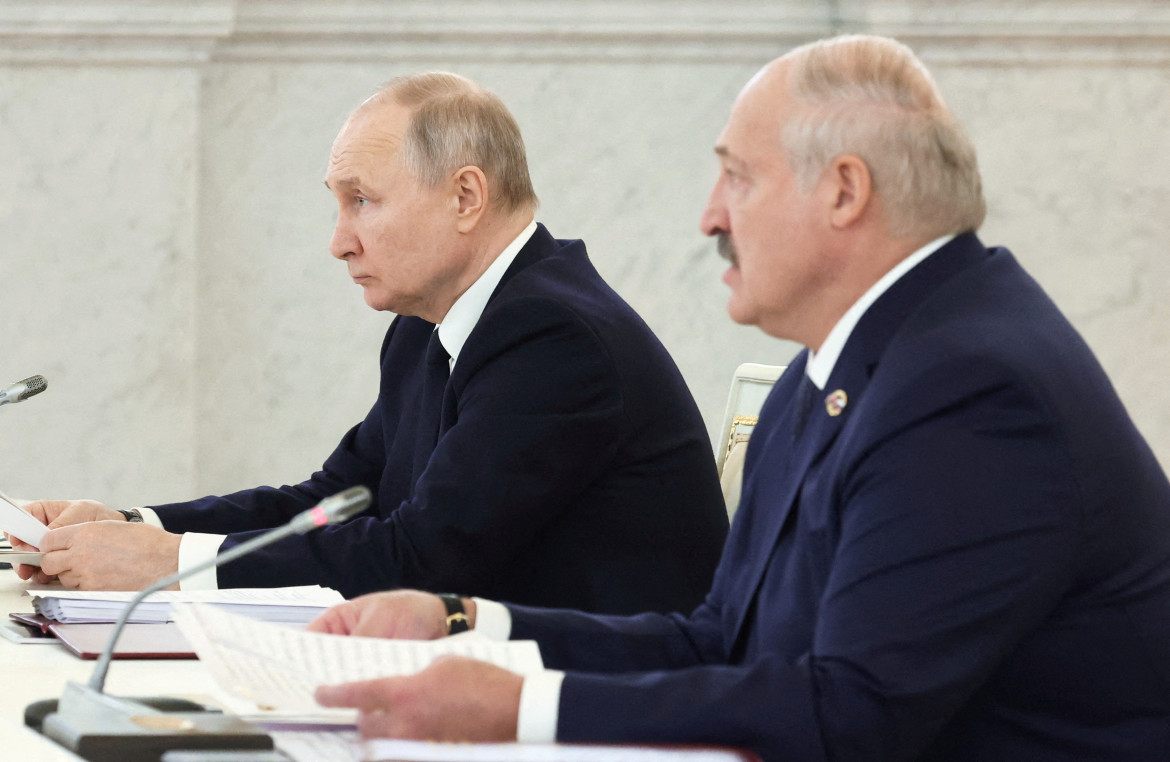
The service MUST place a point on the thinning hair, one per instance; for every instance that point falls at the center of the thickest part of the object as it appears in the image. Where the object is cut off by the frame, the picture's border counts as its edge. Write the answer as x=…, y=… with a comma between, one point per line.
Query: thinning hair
x=871, y=97
x=455, y=123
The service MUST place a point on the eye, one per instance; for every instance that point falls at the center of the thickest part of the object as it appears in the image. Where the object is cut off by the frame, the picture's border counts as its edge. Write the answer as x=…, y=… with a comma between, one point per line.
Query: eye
x=361, y=201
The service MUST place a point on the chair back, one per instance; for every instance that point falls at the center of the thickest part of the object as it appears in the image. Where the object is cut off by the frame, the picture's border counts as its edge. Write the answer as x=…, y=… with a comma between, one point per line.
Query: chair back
x=749, y=388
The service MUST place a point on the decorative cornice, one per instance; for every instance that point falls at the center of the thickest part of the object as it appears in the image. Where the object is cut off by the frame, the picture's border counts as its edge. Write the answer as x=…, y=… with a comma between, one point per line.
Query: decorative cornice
x=113, y=31
x=552, y=30
x=186, y=32
x=1007, y=32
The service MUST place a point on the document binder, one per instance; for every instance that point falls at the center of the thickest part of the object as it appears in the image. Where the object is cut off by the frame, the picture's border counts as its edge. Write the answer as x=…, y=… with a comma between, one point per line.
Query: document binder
x=137, y=641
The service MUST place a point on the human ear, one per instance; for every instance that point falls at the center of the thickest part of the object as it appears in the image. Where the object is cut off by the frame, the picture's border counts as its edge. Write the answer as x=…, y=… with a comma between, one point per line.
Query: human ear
x=471, y=195
x=849, y=191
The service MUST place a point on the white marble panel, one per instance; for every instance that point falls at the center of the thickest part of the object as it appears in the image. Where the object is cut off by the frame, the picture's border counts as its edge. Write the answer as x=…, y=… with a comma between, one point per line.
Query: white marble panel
x=96, y=229
x=166, y=228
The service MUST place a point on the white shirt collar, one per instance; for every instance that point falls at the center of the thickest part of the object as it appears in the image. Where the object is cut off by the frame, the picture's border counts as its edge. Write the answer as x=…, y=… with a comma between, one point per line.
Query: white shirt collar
x=820, y=364
x=467, y=309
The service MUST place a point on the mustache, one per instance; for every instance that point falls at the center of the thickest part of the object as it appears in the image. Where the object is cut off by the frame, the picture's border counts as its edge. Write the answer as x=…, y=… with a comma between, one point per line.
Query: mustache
x=726, y=249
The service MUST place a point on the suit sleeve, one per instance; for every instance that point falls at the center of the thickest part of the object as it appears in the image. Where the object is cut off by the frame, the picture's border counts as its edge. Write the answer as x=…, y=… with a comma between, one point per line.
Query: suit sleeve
x=573, y=640
x=358, y=459
x=538, y=415
x=959, y=515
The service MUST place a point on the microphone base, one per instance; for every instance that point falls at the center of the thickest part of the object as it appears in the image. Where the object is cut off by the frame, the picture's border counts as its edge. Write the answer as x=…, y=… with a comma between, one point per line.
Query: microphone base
x=103, y=728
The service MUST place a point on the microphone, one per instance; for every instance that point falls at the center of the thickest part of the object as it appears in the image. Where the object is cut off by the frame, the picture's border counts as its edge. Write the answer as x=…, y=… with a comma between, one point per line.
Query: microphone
x=22, y=390
x=97, y=726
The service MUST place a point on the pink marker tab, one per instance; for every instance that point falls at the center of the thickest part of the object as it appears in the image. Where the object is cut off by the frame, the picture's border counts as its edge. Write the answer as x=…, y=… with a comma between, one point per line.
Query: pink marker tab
x=319, y=517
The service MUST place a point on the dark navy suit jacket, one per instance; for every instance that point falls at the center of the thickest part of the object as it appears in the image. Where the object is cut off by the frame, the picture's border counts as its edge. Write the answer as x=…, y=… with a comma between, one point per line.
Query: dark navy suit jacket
x=572, y=466
x=970, y=562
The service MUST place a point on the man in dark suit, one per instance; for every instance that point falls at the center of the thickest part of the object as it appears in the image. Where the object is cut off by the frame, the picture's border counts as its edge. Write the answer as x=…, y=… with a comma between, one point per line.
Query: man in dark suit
x=539, y=446
x=953, y=544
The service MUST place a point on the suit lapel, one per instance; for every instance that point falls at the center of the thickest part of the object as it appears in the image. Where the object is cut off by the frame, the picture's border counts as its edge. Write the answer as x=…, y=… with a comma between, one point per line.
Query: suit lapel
x=772, y=480
x=776, y=466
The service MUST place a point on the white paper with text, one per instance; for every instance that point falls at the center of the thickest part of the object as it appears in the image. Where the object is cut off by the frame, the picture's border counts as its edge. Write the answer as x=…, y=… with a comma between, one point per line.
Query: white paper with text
x=277, y=668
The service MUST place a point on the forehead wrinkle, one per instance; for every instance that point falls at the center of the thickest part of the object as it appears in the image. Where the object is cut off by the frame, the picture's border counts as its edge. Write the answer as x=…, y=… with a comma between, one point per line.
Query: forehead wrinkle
x=363, y=149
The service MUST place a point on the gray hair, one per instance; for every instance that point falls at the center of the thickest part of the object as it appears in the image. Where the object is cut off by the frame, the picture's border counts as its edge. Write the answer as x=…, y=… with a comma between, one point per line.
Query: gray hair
x=456, y=123
x=871, y=97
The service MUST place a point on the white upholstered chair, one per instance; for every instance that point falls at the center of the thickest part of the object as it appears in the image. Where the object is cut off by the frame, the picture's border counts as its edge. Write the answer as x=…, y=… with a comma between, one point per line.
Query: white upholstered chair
x=749, y=388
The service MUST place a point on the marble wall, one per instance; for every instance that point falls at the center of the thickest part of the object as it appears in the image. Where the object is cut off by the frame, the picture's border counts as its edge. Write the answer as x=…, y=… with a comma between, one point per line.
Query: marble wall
x=164, y=228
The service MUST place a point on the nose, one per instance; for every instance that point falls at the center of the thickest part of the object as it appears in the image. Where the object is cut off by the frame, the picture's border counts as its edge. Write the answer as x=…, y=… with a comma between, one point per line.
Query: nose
x=344, y=242
x=714, y=218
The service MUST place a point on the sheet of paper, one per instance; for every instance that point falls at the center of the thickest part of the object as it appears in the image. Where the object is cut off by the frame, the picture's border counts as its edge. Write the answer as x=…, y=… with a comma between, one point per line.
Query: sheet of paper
x=20, y=557
x=427, y=751
x=277, y=668
x=19, y=523
x=319, y=745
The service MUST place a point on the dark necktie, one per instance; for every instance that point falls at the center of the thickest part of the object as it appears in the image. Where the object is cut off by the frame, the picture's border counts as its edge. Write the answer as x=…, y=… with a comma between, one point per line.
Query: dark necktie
x=436, y=371
x=806, y=397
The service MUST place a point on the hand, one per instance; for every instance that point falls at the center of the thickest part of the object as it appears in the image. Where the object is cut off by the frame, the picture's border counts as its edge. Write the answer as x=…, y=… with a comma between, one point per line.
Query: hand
x=401, y=614
x=109, y=555
x=453, y=699
x=60, y=513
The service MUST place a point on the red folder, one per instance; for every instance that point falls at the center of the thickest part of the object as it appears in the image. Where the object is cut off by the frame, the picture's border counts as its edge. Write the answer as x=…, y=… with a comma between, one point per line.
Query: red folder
x=137, y=641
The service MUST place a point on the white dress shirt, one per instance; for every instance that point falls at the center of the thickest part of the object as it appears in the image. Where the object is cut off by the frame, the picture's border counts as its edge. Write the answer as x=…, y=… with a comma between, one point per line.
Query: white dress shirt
x=540, y=696
x=457, y=325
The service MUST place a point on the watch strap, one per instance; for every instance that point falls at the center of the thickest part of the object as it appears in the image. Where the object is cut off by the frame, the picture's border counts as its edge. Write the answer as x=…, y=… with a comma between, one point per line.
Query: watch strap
x=457, y=620
x=132, y=515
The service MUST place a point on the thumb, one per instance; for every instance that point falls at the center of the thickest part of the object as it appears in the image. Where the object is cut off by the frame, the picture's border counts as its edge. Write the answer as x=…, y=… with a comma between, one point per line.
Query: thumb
x=58, y=538
x=342, y=695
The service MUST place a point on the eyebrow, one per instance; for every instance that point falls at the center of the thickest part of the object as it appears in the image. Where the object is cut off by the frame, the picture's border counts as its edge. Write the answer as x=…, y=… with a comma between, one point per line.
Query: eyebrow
x=344, y=182
x=725, y=153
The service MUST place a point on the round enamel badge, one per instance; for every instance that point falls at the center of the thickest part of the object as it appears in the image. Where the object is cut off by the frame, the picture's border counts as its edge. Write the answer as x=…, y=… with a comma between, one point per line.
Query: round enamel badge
x=836, y=402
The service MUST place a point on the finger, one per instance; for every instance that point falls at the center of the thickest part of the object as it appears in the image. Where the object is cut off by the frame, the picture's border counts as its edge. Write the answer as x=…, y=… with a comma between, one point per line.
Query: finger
x=341, y=695
x=24, y=571
x=41, y=578
x=378, y=724
x=70, y=580
x=320, y=623
x=366, y=695
x=330, y=622
x=59, y=538
x=55, y=563
x=38, y=511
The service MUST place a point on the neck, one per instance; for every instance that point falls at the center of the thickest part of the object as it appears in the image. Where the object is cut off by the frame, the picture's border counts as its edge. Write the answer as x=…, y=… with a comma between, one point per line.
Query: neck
x=856, y=270
x=485, y=244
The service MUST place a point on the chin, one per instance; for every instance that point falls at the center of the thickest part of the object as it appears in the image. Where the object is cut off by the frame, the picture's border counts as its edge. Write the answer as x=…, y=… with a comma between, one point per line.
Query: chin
x=740, y=313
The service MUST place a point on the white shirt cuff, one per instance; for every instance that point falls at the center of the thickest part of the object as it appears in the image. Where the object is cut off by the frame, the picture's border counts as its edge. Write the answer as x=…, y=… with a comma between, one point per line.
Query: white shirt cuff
x=150, y=517
x=492, y=619
x=540, y=703
x=195, y=548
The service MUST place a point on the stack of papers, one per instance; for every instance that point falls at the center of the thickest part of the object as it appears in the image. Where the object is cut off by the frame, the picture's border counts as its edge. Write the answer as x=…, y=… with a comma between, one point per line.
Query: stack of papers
x=282, y=605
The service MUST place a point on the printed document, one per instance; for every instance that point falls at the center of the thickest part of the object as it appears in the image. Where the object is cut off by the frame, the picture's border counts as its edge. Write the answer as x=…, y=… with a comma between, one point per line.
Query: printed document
x=277, y=668
x=20, y=523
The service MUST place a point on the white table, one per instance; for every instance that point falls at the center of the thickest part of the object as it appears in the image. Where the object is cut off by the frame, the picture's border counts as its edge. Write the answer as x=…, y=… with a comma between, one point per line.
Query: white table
x=32, y=672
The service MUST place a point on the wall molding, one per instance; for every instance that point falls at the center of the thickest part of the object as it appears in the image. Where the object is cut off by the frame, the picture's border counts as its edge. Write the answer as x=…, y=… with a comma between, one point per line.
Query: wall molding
x=191, y=32
x=113, y=31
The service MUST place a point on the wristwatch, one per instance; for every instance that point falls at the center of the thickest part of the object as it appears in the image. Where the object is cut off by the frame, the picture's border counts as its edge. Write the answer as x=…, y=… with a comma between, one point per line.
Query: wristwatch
x=132, y=515
x=457, y=620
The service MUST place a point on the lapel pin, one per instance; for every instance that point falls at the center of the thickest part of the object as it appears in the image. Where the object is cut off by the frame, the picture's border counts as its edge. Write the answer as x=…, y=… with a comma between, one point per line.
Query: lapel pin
x=836, y=402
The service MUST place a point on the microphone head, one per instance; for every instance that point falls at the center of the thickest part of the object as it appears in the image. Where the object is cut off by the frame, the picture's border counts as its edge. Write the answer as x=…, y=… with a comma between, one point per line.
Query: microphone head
x=22, y=390
x=345, y=505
